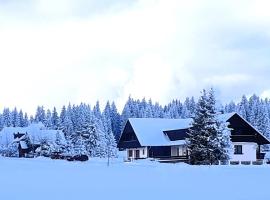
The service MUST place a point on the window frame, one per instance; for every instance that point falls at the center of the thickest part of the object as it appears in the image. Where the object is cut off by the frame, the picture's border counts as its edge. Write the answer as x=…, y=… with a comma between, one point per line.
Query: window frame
x=238, y=149
x=130, y=153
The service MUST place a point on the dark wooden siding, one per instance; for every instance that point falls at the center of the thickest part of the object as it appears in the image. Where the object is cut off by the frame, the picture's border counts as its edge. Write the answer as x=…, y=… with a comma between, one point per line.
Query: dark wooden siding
x=243, y=132
x=128, y=138
x=159, y=152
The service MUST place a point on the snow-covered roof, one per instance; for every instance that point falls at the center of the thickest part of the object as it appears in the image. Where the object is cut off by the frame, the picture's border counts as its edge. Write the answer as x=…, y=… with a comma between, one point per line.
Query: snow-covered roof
x=23, y=145
x=36, y=132
x=18, y=139
x=150, y=131
x=225, y=117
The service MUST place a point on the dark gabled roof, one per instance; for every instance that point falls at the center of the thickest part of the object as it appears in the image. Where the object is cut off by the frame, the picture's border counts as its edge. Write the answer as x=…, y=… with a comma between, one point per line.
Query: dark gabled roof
x=174, y=135
x=248, y=131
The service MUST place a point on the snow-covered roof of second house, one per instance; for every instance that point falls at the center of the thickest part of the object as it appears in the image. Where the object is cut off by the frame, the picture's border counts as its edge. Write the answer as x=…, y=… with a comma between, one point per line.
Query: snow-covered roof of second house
x=150, y=131
x=36, y=132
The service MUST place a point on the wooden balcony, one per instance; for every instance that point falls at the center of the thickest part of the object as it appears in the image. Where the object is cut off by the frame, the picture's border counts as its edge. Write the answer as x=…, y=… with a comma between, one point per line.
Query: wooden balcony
x=174, y=159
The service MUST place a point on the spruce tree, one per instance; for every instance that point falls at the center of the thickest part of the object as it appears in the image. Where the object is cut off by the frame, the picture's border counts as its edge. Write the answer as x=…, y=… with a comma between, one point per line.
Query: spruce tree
x=15, y=121
x=243, y=108
x=55, y=119
x=206, y=142
x=6, y=117
x=57, y=145
x=21, y=119
x=26, y=120
x=1, y=122
x=198, y=135
x=220, y=142
x=116, y=122
x=48, y=120
x=40, y=115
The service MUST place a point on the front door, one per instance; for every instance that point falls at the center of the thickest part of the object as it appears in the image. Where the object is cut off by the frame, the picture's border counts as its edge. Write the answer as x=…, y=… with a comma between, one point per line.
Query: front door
x=137, y=154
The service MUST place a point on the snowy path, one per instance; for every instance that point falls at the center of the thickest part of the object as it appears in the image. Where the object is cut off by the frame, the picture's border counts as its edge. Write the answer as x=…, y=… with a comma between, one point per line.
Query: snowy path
x=42, y=179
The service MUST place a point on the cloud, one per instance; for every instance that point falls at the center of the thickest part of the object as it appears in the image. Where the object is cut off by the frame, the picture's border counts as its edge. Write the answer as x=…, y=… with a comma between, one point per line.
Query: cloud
x=53, y=52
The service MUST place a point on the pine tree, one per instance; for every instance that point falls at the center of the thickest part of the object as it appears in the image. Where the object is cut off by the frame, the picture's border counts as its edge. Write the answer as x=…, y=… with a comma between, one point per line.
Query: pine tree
x=254, y=104
x=57, y=145
x=62, y=115
x=67, y=126
x=263, y=122
x=220, y=141
x=96, y=111
x=79, y=146
x=106, y=117
x=231, y=107
x=32, y=120
x=6, y=117
x=15, y=121
x=186, y=113
x=126, y=113
x=243, y=108
x=111, y=146
x=40, y=115
x=21, y=119
x=174, y=110
x=192, y=107
x=48, y=120
x=198, y=135
x=26, y=120
x=116, y=122
x=1, y=122
x=85, y=140
x=206, y=142
x=55, y=119
x=108, y=136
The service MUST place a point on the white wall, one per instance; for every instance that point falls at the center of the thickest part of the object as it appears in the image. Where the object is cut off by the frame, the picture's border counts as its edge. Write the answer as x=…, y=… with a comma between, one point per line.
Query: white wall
x=249, y=150
x=143, y=154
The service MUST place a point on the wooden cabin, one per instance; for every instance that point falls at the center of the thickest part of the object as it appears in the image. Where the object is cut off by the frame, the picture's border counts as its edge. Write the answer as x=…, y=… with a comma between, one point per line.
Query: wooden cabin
x=24, y=145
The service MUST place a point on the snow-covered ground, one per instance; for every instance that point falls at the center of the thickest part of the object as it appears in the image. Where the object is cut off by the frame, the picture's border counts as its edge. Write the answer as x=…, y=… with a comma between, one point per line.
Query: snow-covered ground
x=45, y=179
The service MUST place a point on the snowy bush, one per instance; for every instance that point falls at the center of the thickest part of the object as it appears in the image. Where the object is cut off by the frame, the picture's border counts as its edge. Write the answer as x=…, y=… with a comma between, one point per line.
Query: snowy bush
x=10, y=150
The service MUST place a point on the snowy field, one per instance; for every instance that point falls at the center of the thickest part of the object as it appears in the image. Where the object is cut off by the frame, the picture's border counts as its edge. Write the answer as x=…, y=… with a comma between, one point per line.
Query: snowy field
x=45, y=179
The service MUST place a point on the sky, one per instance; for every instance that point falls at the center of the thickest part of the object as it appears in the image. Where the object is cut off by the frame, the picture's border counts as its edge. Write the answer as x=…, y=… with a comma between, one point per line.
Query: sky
x=53, y=52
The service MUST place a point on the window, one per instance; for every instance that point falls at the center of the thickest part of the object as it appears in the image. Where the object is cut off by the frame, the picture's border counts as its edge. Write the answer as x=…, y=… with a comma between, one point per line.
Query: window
x=238, y=149
x=143, y=151
x=130, y=153
x=184, y=151
x=137, y=154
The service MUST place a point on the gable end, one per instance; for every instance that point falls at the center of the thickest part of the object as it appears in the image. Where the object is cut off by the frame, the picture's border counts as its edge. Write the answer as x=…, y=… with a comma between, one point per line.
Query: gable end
x=242, y=131
x=128, y=138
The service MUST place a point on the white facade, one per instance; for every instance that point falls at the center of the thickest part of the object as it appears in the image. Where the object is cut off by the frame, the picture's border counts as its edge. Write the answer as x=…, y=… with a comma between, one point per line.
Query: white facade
x=249, y=151
x=136, y=153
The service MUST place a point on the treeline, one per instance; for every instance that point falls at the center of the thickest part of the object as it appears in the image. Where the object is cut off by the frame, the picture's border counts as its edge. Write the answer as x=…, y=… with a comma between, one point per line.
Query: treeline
x=108, y=123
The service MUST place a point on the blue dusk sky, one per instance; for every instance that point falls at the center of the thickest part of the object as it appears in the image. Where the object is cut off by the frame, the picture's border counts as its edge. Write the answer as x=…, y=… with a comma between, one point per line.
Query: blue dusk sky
x=53, y=52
